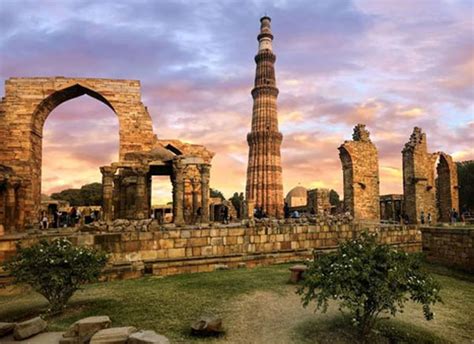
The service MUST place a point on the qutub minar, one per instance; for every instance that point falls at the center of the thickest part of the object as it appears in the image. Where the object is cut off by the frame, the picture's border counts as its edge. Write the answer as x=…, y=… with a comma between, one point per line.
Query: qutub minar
x=264, y=179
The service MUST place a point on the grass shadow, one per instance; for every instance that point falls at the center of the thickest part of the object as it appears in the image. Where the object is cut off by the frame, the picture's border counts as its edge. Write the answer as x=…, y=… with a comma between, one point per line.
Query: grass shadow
x=339, y=330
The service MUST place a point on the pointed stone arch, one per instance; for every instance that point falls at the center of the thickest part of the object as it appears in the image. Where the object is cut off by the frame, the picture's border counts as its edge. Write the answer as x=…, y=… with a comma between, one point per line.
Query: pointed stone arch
x=447, y=188
x=28, y=103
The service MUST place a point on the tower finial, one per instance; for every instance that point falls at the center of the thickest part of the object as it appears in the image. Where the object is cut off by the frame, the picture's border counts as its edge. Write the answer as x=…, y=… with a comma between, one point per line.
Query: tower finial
x=265, y=37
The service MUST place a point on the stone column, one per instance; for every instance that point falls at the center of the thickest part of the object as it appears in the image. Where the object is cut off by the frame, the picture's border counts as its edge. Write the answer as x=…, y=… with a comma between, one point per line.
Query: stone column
x=10, y=207
x=107, y=191
x=205, y=175
x=178, y=192
x=195, y=184
x=116, y=196
x=141, y=194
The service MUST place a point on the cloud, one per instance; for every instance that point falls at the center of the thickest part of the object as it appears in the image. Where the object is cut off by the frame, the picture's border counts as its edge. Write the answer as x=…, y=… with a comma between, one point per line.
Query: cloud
x=389, y=64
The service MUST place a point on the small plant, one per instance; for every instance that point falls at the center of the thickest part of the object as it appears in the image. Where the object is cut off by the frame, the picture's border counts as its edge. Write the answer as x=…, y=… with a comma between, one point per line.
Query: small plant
x=56, y=269
x=368, y=279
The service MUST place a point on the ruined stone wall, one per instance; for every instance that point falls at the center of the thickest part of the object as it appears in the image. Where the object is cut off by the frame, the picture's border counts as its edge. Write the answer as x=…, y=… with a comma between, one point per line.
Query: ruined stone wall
x=29, y=101
x=422, y=193
x=138, y=247
x=450, y=247
x=360, y=167
x=419, y=178
x=318, y=200
x=447, y=187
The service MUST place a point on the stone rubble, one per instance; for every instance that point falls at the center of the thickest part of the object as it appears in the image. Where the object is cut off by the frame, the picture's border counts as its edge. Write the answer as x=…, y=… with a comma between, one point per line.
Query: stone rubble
x=113, y=335
x=29, y=328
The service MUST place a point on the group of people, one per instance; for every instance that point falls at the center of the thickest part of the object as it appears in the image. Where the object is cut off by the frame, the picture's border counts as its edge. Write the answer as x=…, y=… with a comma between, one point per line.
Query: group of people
x=454, y=217
x=62, y=219
x=259, y=212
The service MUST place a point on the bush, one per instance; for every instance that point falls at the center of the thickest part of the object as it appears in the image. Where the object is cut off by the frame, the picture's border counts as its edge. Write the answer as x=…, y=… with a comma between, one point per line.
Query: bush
x=56, y=269
x=368, y=279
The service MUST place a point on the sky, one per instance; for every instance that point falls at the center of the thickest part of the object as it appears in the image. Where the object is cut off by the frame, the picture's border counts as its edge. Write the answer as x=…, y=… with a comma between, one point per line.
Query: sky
x=390, y=64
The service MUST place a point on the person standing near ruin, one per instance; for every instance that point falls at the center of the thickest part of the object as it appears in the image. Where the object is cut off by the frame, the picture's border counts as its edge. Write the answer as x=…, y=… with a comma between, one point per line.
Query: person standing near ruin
x=429, y=219
x=44, y=220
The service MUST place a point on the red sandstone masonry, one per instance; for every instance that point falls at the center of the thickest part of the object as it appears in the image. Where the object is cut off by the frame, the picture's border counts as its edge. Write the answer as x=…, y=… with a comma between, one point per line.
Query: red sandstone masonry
x=451, y=247
x=167, y=252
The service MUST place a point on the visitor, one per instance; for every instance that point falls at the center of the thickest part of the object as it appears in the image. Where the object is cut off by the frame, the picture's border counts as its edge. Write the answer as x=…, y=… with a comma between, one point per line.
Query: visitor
x=92, y=216
x=429, y=219
x=295, y=214
x=79, y=216
x=455, y=216
x=286, y=210
x=72, y=217
x=55, y=219
x=463, y=213
x=422, y=217
x=44, y=220
x=87, y=215
x=199, y=212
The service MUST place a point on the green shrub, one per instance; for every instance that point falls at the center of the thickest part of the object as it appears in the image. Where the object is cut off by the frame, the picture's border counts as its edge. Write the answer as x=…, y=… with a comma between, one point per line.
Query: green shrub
x=56, y=269
x=368, y=279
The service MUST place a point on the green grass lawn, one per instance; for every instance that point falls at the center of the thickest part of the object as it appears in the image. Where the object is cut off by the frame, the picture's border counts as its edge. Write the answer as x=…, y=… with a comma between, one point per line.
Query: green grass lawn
x=257, y=306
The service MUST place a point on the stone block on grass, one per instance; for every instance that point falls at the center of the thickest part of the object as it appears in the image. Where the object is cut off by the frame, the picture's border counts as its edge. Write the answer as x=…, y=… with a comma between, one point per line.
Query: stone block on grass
x=82, y=330
x=113, y=335
x=147, y=337
x=29, y=328
x=6, y=328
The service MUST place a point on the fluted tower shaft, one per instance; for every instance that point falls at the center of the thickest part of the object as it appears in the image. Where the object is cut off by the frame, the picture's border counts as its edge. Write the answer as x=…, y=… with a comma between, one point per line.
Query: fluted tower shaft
x=264, y=179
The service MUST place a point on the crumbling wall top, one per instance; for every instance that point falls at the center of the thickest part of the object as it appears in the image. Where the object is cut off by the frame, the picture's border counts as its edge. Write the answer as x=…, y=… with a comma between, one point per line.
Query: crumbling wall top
x=361, y=133
x=417, y=138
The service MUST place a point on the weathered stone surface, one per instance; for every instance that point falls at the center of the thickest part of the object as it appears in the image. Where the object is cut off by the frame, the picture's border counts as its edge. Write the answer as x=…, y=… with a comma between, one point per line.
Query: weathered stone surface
x=207, y=325
x=147, y=337
x=25, y=108
x=264, y=173
x=113, y=335
x=422, y=194
x=6, y=328
x=360, y=168
x=82, y=330
x=29, y=328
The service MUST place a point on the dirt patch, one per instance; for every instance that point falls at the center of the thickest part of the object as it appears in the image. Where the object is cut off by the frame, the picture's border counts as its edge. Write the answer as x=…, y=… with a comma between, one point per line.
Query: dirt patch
x=265, y=317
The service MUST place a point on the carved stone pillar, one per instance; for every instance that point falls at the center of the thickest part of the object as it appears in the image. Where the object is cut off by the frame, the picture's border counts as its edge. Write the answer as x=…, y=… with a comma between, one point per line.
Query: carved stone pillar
x=116, y=196
x=195, y=184
x=107, y=191
x=10, y=207
x=205, y=175
x=141, y=194
x=178, y=192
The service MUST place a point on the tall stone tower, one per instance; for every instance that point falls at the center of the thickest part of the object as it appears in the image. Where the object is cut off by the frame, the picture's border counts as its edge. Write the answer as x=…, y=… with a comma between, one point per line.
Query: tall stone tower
x=264, y=181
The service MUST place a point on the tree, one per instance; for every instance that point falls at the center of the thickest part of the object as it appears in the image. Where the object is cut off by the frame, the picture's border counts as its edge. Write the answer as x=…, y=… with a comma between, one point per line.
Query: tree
x=466, y=183
x=368, y=279
x=217, y=193
x=56, y=269
x=334, y=198
x=89, y=194
x=237, y=200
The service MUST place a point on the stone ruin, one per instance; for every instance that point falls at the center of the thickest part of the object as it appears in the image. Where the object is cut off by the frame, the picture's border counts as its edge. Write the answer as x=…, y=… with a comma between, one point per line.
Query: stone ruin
x=430, y=182
x=127, y=183
x=318, y=201
x=361, y=175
